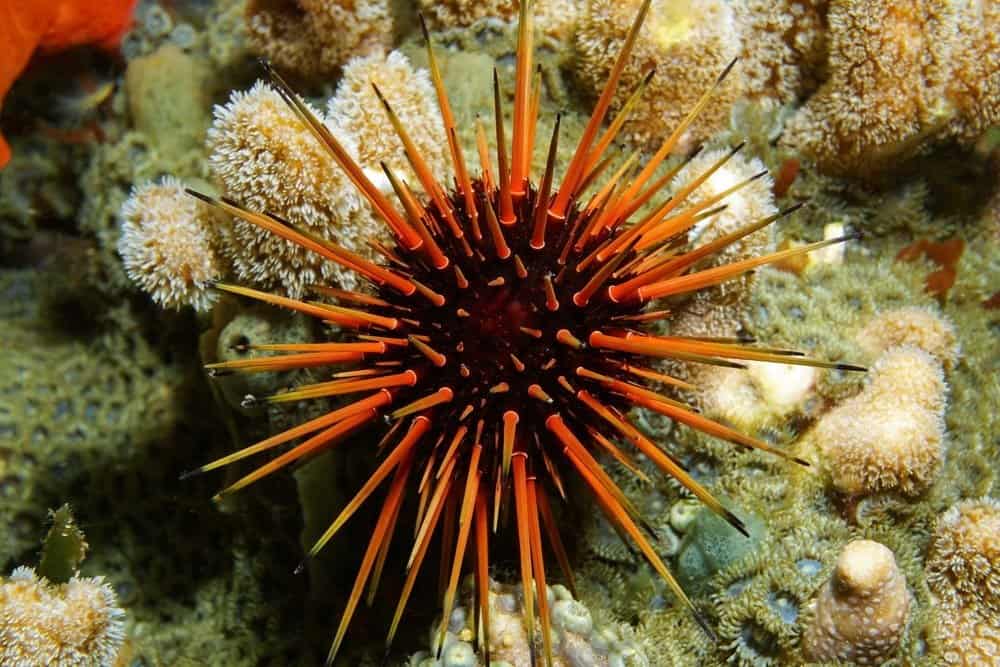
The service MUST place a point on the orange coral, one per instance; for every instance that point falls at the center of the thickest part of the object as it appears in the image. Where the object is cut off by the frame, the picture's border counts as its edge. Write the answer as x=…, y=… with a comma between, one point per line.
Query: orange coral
x=54, y=26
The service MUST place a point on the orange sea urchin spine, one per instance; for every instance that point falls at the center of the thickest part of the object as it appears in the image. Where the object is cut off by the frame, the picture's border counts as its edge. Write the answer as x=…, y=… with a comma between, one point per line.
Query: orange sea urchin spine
x=512, y=318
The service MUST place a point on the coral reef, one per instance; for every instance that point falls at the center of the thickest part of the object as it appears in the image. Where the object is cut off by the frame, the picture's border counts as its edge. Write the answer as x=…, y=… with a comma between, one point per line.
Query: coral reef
x=914, y=326
x=577, y=639
x=268, y=160
x=783, y=47
x=355, y=111
x=167, y=244
x=963, y=560
x=554, y=18
x=75, y=624
x=890, y=437
x=963, y=570
x=688, y=42
x=899, y=72
x=314, y=38
x=861, y=611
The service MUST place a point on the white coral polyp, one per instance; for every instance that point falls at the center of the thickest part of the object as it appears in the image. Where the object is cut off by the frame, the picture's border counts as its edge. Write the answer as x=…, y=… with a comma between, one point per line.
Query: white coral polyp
x=167, y=246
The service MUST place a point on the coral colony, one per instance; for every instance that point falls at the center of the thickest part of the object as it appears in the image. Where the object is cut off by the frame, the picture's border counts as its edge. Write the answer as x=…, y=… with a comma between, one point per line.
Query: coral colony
x=504, y=338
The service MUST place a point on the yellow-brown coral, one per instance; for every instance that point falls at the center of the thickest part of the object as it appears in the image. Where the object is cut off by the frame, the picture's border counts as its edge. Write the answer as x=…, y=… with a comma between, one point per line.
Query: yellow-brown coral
x=900, y=71
x=911, y=325
x=689, y=42
x=554, y=18
x=76, y=624
x=890, y=436
x=268, y=161
x=355, y=111
x=167, y=244
x=963, y=571
x=313, y=38
x=861, y=611
x=784, y=47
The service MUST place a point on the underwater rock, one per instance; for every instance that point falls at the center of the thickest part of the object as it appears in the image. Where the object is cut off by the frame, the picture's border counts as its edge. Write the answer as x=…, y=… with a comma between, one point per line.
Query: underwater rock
x=168, y=96
x=250, y=326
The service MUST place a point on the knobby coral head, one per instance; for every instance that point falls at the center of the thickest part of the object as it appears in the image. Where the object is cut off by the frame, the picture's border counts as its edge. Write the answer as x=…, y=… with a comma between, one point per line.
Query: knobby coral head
x=504, y=338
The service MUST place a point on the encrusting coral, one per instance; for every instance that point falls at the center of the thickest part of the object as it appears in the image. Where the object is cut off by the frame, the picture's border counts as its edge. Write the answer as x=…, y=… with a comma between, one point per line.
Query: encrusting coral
x=861, y=612
x=167, y=245
x=688, y=42
x=314, y=38
x=889, y=437
x=76, y=624
x=577, y=639
x=963, y=571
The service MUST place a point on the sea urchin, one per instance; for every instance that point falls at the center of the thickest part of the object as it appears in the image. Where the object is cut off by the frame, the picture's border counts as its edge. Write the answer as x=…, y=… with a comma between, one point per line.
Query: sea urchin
x=503, y=339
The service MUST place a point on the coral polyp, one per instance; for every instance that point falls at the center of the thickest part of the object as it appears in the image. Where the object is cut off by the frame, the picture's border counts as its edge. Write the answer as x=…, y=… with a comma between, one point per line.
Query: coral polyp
x=505, y=338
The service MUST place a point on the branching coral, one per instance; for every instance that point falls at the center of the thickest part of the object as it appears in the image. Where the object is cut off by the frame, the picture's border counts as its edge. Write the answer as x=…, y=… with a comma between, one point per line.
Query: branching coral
x=890, y=436
x=268, y=161
x=688, y=42
x=77, y=624
x=860, y=613
x=313, y=38
x=167, y=245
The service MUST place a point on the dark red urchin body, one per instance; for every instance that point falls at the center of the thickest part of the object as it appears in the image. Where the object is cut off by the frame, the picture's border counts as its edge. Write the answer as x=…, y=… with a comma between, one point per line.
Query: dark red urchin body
x=503, y=341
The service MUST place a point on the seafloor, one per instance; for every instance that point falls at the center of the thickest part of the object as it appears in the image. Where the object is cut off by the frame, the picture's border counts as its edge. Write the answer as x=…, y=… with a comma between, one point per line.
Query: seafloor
x=104, y=401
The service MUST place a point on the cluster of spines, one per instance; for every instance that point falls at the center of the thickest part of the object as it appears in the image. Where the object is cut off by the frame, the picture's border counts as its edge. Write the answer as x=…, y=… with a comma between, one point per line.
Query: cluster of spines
x=467, y=469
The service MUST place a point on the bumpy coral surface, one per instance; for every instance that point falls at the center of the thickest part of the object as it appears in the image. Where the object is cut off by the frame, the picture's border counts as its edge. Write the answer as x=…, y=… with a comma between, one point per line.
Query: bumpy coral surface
x=688, y=42
x=555, y=18
x=783, y=46
x=964, y=555
x=313, y=38
x=578, y=641
x=167, y=244
x=912, y=325
x=355, y=111
x=899, y=72
x=891, y=435
x=268, y=161
x=861, y=611
x=963, y=570
x=77, y=624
